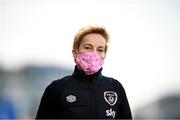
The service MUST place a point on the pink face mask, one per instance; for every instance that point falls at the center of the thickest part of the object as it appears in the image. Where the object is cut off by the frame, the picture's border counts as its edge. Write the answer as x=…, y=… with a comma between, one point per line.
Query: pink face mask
x=90, y=62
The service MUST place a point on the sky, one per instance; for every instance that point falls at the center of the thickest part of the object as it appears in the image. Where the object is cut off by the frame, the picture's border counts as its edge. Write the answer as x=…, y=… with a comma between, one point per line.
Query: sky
x=144, y=48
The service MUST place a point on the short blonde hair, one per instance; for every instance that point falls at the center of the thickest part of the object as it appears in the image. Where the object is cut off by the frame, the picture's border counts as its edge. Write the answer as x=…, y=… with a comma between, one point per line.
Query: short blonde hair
x=88, y=30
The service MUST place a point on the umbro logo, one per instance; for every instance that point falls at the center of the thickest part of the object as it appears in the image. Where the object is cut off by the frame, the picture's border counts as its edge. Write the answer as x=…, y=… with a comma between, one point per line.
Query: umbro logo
x=71, y=98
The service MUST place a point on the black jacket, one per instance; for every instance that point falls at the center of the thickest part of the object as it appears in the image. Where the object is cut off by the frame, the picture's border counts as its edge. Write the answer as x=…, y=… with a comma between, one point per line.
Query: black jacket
x=82, y=96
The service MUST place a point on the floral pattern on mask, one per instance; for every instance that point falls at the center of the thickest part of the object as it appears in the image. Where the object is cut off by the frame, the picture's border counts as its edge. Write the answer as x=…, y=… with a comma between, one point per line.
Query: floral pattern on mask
x=90, y=62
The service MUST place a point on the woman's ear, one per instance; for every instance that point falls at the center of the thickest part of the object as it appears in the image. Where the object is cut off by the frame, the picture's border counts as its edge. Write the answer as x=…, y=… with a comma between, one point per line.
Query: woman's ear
x=104, y=56
x=74, y=52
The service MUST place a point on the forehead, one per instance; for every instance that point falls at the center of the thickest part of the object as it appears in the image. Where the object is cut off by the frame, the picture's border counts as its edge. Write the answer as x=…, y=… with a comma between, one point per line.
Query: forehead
x=93, y=39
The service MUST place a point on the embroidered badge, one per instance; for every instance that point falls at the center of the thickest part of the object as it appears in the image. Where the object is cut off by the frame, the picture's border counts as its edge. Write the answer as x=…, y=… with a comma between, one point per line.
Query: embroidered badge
x=71, y=98
x=110, y=97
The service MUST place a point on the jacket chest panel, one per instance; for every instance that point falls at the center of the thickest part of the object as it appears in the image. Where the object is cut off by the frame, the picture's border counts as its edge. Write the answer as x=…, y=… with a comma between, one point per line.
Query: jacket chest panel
x=92, y=102
x=75, y=98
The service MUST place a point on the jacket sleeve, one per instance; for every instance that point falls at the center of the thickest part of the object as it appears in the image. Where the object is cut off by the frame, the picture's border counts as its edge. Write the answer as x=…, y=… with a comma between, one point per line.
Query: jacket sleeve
x=49, y=103
x=124, y=111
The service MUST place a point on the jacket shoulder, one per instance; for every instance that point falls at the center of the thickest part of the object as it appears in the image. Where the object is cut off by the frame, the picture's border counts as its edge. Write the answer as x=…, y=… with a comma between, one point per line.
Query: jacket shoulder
x=59, y=83
x=62, y=80
x=111, y=80
x=116, y=84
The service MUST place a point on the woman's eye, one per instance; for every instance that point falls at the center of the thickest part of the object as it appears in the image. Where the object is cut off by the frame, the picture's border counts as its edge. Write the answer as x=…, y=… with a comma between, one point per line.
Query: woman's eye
x=87, y=48
x=100, y=50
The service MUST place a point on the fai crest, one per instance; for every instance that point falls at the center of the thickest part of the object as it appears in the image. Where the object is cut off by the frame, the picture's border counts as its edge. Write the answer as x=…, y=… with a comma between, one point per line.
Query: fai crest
x=110, y=97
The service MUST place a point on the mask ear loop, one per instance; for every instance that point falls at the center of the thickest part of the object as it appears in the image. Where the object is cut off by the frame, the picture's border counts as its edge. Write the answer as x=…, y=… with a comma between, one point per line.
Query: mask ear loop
x=75, y=54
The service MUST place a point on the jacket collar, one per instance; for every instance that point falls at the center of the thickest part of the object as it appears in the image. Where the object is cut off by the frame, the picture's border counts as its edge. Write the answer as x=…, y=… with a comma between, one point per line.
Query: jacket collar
x=80, y=73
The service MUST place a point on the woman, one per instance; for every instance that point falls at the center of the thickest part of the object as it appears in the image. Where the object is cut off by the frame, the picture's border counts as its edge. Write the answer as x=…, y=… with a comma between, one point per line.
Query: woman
x=86, y=93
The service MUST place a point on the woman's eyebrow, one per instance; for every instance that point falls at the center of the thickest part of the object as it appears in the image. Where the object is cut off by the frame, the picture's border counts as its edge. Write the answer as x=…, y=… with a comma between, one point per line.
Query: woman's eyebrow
x=101, y=46
x=87, y=45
